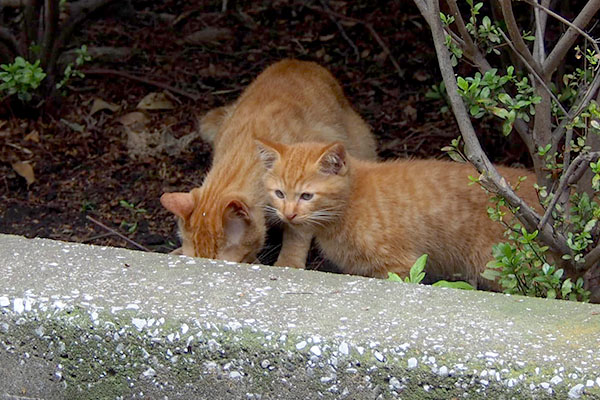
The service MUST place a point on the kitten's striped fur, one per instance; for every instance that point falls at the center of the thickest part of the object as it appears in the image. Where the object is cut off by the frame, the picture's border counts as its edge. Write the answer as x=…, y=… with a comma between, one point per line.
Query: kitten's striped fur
x=371, y=218
x=291, y=101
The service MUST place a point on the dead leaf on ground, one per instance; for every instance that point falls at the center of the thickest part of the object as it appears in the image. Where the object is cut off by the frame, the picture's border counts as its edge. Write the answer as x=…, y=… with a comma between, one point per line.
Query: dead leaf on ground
x=25, y=170
x=421, y=75
x=34, y=136
x=155, y=101
x=99, y=105
x=134, y=119
x=326, y=38
x=207, y=35
x=73, y=125
x=348, y=23
x=409, y=112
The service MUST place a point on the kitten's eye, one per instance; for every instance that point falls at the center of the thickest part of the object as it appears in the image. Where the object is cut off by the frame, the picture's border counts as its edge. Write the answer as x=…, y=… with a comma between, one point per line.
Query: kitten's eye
x=306, y=196
x=279, y=194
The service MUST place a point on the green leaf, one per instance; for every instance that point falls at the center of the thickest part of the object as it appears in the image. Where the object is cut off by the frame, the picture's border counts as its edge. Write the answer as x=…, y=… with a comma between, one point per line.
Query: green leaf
x=505, y=98
x=455, y=285
x=499, y=112
x=394, y=277
x=455, y=156
x=590, y=225
x=490, y=274
x=507, y=127
x=462, y=83
x=566, y=288
x=416, y=274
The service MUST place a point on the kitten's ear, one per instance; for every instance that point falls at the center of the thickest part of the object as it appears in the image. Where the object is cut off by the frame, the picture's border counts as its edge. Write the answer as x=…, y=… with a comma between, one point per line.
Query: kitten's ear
x=269, y=152
x=179, y=203
x=333, y=160
x=236, y=219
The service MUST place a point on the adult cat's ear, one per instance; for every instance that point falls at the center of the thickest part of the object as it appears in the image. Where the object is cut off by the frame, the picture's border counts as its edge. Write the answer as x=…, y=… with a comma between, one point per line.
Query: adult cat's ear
x=333, y=160
x=269, y=152
x=179, y=203
x=236, y=219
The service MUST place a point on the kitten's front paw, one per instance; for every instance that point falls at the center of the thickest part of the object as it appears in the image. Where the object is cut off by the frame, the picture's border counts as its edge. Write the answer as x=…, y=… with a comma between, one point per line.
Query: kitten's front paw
x=290, y=263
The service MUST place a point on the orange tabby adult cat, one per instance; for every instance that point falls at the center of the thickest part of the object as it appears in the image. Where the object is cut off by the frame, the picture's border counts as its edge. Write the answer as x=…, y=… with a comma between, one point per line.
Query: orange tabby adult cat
x=291, y=101
x=371, y=218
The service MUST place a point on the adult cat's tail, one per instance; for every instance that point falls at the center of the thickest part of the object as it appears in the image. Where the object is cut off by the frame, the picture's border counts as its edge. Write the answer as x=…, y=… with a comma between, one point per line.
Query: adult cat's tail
x=212, y=121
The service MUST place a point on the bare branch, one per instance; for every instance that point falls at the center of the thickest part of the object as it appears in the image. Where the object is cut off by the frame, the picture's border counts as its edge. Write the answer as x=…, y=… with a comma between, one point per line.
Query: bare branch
x=31, y=23
x=532, y=69
x=12, y=3
x=342, y=30
x=51, y=10
x=592, y=258
x=541, y=19
x=567, y=40
x=80, y=11
x=470, y=49
x=162, y=85
x=8, y=40
x=371, y=30
x=515, y=34
x=489, y=175
x=114, y=232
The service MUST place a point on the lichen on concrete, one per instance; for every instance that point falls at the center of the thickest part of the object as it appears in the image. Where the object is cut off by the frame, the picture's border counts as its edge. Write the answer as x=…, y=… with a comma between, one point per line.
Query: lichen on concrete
x=103, y=322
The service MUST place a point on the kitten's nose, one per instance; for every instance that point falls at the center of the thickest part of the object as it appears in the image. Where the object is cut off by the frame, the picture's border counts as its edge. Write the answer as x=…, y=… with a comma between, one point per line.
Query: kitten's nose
x=291, y=216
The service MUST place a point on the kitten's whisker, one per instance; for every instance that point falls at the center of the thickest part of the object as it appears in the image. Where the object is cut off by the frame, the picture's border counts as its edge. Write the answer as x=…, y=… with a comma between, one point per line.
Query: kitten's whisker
x=270, y=250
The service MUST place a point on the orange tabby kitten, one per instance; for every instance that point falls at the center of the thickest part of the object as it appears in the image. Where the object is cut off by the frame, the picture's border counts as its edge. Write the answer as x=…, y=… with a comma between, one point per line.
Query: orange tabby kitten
x=290, y=102
x=371, y=218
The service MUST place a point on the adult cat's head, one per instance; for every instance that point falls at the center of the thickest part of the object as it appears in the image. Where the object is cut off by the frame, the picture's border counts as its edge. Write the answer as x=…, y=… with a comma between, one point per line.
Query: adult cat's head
x=214, y=226
x=307, y=183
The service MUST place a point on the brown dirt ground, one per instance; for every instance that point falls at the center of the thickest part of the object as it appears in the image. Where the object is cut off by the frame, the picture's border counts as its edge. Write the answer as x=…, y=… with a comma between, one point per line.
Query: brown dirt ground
x=84, y=166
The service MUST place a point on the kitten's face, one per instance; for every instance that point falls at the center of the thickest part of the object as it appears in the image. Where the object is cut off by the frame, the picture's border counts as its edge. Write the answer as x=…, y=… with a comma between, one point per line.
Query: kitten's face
x=222, y=230
x=306, y=183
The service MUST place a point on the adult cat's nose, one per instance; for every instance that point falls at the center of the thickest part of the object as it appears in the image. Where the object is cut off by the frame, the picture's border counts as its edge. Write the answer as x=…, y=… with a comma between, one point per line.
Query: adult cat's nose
x=290, y=216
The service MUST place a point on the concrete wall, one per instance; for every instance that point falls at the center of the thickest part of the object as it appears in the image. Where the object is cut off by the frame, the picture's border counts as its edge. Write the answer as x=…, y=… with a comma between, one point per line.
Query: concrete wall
x=80, y=321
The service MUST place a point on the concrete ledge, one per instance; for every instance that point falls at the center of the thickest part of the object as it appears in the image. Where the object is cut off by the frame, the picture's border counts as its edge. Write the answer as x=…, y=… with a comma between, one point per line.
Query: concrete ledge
x=80, y=321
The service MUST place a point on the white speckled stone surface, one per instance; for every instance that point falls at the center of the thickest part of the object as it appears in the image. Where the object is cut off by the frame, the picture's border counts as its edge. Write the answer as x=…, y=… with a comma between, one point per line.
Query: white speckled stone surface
x=80, y=321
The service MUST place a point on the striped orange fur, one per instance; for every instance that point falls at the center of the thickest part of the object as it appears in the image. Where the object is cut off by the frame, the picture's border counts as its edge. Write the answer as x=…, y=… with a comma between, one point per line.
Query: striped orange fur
x=291, y=101
x=371, y=218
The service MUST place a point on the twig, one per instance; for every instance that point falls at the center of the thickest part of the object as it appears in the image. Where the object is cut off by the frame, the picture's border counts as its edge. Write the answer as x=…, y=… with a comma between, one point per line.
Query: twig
x=342, y=31
x=100, y=236
x=566, y=22
x=371, y=30
x=470, y=50
x=51, y=11
x=9, y=40
x=572, y=175
x=12, y=3
x=123, y=74
x=566, y=41
x=532, y=69
x=80, y=11
x=541, y=20
x=585, y=101
x=518, y=44
x=31, y=21
x=114, y=232
x=592, y=258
